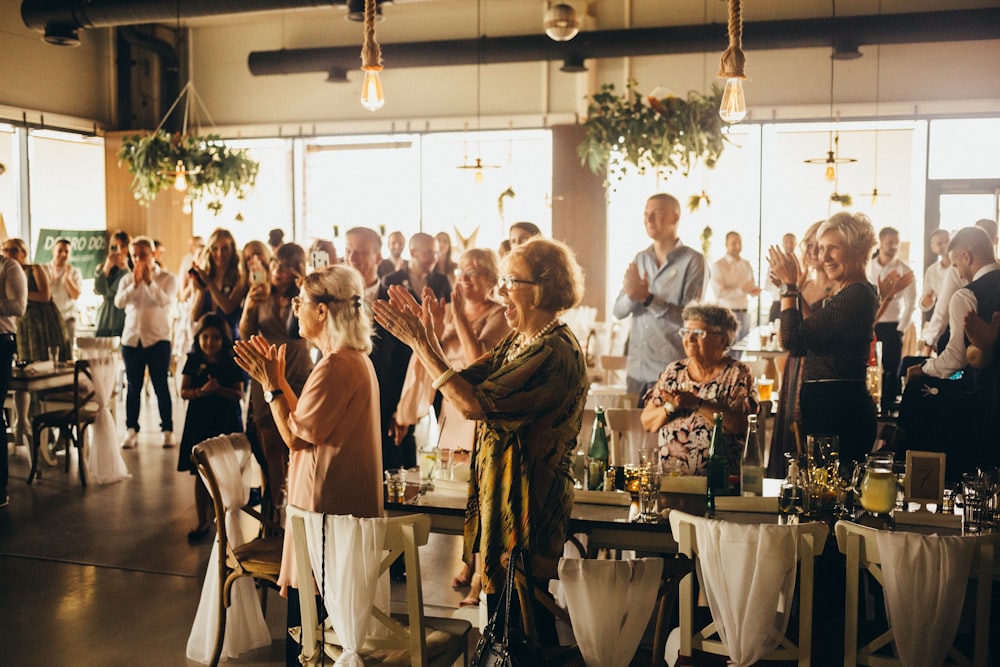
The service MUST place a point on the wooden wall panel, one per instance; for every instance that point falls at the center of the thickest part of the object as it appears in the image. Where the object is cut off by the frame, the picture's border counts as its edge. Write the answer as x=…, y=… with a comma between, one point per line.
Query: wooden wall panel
x=580, y=213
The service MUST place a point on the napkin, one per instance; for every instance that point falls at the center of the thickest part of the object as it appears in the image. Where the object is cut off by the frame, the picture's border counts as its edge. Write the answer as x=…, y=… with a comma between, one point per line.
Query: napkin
x=924, y=618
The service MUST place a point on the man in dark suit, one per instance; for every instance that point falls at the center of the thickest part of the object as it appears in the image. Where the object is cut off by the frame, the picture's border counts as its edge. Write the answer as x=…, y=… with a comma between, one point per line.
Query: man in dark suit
x=416, y=276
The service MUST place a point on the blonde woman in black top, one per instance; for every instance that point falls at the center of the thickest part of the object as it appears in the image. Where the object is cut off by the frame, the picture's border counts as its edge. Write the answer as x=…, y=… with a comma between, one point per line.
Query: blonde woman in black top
x=835, y=339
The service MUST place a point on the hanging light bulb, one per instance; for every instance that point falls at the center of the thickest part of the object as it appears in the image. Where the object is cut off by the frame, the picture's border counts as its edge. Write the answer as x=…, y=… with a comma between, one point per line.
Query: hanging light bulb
x=180, y=182
x=734, y=105
x=831, y=169
x=372, y=96
x=187, y=208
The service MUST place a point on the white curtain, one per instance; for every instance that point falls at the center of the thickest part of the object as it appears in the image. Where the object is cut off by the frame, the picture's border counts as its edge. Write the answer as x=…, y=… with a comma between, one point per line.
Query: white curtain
x=245, y=625
x=352, y=552
x=924, y=617
x=610, y=603
x=105, y=464
x=748, y=575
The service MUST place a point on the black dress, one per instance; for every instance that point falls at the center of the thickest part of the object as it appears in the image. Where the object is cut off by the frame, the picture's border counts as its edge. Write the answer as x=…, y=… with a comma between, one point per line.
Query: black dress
x=212, y=415
x=835, y=341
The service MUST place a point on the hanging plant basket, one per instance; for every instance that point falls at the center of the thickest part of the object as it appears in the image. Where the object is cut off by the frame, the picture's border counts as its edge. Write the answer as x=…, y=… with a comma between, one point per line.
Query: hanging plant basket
x=629, y=131
x=213, y=170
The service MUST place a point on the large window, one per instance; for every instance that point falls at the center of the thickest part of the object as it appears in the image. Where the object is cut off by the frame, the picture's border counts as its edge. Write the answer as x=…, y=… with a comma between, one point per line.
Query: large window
x=10, y=194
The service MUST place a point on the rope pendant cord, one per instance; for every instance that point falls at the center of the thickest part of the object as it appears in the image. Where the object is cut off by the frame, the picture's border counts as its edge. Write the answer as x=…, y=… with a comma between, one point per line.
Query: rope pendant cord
x=732, y=64
x=371, y=52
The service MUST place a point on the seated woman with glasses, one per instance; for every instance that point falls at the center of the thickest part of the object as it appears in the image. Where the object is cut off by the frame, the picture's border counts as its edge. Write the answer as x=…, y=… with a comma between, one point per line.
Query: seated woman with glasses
x=528, y=392
x=682, y=403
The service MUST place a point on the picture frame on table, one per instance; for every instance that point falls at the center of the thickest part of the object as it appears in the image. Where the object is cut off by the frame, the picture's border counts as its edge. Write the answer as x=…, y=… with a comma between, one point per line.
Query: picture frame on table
x=924, y=477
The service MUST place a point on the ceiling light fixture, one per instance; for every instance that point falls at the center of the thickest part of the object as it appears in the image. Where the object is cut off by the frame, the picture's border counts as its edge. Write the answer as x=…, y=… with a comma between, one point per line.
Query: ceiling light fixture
x=832, y=158
x=560, y=22
x=372, y=95
x=477, y=166
x=731, y=68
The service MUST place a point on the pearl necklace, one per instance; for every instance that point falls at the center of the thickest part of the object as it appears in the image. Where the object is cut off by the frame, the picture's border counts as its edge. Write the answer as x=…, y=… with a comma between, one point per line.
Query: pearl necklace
x=519, y=347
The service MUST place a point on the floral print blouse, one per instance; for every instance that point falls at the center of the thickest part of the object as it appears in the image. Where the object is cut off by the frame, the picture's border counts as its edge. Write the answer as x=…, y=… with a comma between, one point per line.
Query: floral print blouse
x=733, y=387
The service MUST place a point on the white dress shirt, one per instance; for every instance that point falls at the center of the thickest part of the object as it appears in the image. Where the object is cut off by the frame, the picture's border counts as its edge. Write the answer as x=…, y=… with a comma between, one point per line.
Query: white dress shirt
x=147, y=307
x=934, y=278
x=900, y=310
x=729, y=275
x=951, y=283
x=57, y=286
x=952, y=358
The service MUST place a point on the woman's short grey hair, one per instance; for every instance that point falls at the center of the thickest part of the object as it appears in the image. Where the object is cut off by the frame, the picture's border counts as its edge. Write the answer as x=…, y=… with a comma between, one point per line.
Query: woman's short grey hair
x=858, y=232
x=485, y=262
x=341, y=288
x=553, y=267
x=717, y=317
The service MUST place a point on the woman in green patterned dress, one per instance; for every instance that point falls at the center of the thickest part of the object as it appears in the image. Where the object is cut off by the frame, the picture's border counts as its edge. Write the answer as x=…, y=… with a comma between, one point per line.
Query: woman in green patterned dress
x=528, y=393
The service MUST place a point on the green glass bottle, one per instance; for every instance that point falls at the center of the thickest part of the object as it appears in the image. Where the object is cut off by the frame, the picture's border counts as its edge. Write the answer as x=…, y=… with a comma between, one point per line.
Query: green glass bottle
x=598, y=454
x=718, y=465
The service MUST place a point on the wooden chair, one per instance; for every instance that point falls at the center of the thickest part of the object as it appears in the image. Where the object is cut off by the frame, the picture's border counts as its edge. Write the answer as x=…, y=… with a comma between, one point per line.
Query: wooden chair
x=421, y=641
x=811, y=539
x=71, y=421
x=651, y=652
x=259, y=558
x=614, y=368
x=861, y=547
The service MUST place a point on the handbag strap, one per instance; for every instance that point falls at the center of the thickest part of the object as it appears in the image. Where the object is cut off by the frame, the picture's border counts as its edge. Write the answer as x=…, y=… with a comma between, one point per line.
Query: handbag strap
x=505, y=595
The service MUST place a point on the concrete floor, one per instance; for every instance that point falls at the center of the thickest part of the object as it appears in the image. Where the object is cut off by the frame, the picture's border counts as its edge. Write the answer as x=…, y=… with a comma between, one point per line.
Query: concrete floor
x=105, y=576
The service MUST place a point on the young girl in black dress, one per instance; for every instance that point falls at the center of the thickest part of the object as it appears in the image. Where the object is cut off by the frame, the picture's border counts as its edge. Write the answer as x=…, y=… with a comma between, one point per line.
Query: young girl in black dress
x=212, y=385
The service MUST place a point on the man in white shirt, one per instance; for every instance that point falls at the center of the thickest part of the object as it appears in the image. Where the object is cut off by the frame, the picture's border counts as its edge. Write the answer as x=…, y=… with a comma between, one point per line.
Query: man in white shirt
x=935, y=274
x=147, y=296
x=64, y=284
x=937, y=332
x=971, y=252
x=658, y=283
x=897, y=315
x=13, y=301
x=733, y=282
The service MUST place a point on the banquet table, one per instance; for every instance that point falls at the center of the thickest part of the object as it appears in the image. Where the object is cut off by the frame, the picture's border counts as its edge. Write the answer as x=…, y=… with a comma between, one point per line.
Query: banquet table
x=26, y=382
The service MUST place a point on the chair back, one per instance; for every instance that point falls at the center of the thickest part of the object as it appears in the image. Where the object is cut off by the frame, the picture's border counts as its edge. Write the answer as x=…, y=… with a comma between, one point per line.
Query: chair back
x=223, y=476
x=861, y=546
x=627, y=434
x=614, y=368
x=83, y=391
x=92, y=345
x=809, y=539
x=403, y=536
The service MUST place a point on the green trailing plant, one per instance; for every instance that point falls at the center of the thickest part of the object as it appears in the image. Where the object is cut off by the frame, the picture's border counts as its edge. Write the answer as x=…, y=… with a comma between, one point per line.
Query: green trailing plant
x=669, y=135
x=213, y=170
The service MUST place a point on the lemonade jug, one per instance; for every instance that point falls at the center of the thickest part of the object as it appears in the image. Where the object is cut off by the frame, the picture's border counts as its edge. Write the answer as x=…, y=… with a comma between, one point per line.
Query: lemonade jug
x=878, y=487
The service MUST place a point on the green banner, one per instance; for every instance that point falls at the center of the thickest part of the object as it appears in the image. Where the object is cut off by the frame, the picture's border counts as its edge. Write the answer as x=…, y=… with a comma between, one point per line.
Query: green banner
x=87, y=248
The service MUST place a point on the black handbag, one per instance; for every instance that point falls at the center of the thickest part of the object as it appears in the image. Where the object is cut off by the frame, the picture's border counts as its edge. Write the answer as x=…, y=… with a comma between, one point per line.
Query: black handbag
x=505, y=646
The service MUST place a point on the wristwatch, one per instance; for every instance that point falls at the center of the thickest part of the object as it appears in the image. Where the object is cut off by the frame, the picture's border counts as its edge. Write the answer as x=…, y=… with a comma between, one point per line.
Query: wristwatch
x=788, y=289
x=648, y=300
x=269, y=396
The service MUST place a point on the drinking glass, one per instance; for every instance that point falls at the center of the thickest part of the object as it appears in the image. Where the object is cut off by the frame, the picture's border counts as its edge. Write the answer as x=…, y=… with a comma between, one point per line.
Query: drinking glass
x=428, y=462
x=878, y=488
x=649, y=492
x=973, y=499
x=824, y=483
x=764, y=386
x=395, y=485
x=444, y=464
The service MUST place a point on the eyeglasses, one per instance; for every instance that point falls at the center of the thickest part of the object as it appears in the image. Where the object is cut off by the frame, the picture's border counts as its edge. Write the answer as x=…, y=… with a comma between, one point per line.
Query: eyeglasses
x=297, y=303
x=508, y=282
x=700, y=333
x=12, y=250
x=470, y=274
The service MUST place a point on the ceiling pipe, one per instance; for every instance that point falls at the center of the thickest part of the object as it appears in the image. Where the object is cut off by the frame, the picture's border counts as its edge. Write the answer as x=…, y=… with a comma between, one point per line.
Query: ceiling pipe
x=947, y=26
x=61, y=22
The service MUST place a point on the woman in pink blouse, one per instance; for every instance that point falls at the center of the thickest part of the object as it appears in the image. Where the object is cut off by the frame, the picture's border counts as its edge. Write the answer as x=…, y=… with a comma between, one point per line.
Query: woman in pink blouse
x=332, y=428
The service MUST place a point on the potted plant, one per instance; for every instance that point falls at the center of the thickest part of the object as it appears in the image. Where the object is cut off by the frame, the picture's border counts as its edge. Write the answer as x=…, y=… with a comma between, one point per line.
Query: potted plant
x=669, y=134
x=210, y=169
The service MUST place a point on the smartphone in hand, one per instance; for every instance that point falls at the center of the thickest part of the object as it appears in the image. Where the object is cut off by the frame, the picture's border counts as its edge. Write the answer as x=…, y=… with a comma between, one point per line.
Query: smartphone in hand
x=320, y=259
x=258, y=277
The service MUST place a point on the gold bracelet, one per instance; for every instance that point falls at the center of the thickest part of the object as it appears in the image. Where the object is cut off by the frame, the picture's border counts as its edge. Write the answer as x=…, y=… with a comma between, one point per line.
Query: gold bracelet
x=443, y=378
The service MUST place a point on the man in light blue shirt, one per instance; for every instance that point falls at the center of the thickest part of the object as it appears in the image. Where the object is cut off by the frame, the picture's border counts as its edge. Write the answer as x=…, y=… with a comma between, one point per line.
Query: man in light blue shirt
x=658, y=283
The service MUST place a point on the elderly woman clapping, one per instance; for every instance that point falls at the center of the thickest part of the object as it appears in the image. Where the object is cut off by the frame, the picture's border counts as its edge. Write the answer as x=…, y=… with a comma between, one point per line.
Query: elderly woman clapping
x=681, y=404
x=528, y=391
x=333, y=427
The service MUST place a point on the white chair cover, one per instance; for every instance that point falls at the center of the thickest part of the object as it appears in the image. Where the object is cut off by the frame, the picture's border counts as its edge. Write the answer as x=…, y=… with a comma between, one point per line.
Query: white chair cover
x=245, y=625
x=105, y=464
x=610, y=603
x=924, y=618
x=748, y=573
x=353, y=553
